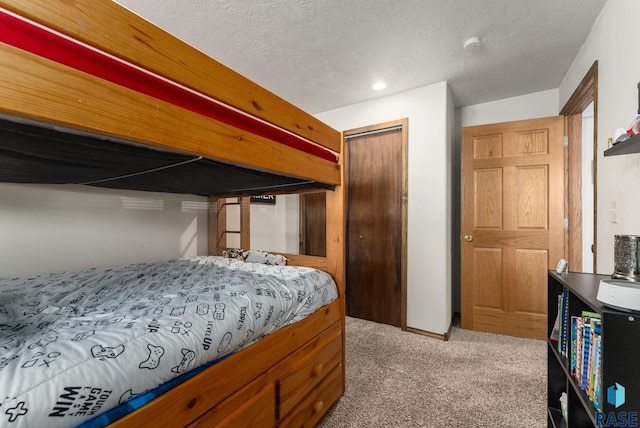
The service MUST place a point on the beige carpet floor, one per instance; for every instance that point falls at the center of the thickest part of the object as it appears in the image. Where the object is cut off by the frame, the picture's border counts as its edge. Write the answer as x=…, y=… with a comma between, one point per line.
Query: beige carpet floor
x=400, y=379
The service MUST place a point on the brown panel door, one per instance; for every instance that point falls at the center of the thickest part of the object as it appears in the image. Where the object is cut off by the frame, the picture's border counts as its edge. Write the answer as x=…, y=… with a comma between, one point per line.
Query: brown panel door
x=374, y=227
x=512, y=223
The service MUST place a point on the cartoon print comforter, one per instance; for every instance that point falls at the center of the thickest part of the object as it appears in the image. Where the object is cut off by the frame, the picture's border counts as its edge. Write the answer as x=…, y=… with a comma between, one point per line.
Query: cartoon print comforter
x=73, y=345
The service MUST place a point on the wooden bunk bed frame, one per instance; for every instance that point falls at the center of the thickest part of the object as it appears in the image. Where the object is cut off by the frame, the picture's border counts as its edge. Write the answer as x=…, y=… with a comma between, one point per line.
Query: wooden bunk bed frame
x=290, y=378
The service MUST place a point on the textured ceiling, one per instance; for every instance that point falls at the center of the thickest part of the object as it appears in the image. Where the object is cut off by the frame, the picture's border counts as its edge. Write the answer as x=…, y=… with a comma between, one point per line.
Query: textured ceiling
x=324, y=54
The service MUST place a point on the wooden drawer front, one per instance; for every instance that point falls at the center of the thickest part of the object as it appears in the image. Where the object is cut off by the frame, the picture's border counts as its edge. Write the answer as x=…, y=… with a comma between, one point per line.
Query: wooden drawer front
x=307, y=367
x=314, y=407
x=252, y=406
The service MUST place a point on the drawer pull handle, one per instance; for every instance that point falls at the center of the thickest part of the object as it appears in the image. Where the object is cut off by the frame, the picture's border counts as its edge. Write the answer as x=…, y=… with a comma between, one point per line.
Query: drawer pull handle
x=318, y=406
x=318, y=369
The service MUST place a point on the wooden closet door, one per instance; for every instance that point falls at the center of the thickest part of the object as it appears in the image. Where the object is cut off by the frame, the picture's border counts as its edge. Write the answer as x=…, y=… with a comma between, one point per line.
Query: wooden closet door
x=374, y=227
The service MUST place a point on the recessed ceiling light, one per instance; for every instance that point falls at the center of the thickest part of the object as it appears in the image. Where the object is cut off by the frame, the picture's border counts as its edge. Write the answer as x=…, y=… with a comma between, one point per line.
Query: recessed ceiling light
x=378, y=86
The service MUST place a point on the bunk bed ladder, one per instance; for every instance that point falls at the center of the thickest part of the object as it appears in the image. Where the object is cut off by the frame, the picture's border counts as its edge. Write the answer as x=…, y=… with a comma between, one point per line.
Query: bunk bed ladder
x=218, y=230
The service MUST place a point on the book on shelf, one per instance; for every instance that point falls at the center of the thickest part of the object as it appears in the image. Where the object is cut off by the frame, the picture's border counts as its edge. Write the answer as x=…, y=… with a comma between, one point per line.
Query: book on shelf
x=595, y=361
x=576, y=345
x=597, y=380
x=586, y=355
x=560, y=331
x=555, y=332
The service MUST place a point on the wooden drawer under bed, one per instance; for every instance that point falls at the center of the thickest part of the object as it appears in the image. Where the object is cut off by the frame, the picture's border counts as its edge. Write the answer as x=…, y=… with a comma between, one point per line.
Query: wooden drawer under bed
x=252, y=406
x=298, y=391
x=309, y=412
x=307, y=368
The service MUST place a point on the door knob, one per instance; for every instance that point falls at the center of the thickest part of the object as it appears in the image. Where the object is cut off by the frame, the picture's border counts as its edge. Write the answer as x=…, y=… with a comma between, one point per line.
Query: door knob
x=468, y=238
x=360, y=236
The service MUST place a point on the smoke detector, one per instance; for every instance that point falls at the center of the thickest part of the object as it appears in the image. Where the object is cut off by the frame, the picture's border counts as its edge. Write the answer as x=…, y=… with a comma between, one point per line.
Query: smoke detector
x=472, y=44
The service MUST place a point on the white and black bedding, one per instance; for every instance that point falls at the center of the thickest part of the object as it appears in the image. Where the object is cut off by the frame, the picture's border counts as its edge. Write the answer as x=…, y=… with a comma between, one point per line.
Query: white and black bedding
x=74, y=345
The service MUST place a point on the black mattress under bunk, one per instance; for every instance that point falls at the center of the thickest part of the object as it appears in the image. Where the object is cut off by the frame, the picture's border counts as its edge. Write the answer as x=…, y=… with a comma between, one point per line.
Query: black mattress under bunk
x=33, y=153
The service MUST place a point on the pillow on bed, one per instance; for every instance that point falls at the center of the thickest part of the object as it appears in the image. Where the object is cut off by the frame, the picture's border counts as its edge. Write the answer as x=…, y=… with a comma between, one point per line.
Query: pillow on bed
x=257, y=256
x=234, y=253
x=276, y=259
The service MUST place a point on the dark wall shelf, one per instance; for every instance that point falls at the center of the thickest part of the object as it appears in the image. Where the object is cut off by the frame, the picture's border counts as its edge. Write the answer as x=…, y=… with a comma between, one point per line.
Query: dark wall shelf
x=632, y=145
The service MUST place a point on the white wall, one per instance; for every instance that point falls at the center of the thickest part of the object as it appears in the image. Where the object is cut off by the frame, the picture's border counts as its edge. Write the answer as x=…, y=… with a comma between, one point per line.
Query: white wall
x=535, y=105
x=55, y=227
x=453, y=224
x=429, y=199
x=273, y=228
x=613, y=43
x=276, y=227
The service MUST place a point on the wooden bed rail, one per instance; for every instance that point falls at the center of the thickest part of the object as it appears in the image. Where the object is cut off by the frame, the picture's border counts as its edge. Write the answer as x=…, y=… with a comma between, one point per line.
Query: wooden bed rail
x=108, y=26
x=48, y=91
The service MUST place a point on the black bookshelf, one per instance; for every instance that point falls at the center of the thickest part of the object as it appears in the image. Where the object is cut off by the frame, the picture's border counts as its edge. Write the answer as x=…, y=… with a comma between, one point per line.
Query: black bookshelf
x=620, y=351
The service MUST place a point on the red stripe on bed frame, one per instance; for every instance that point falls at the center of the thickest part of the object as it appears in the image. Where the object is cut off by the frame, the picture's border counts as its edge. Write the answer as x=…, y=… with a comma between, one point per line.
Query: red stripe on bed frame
x=31, y=37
